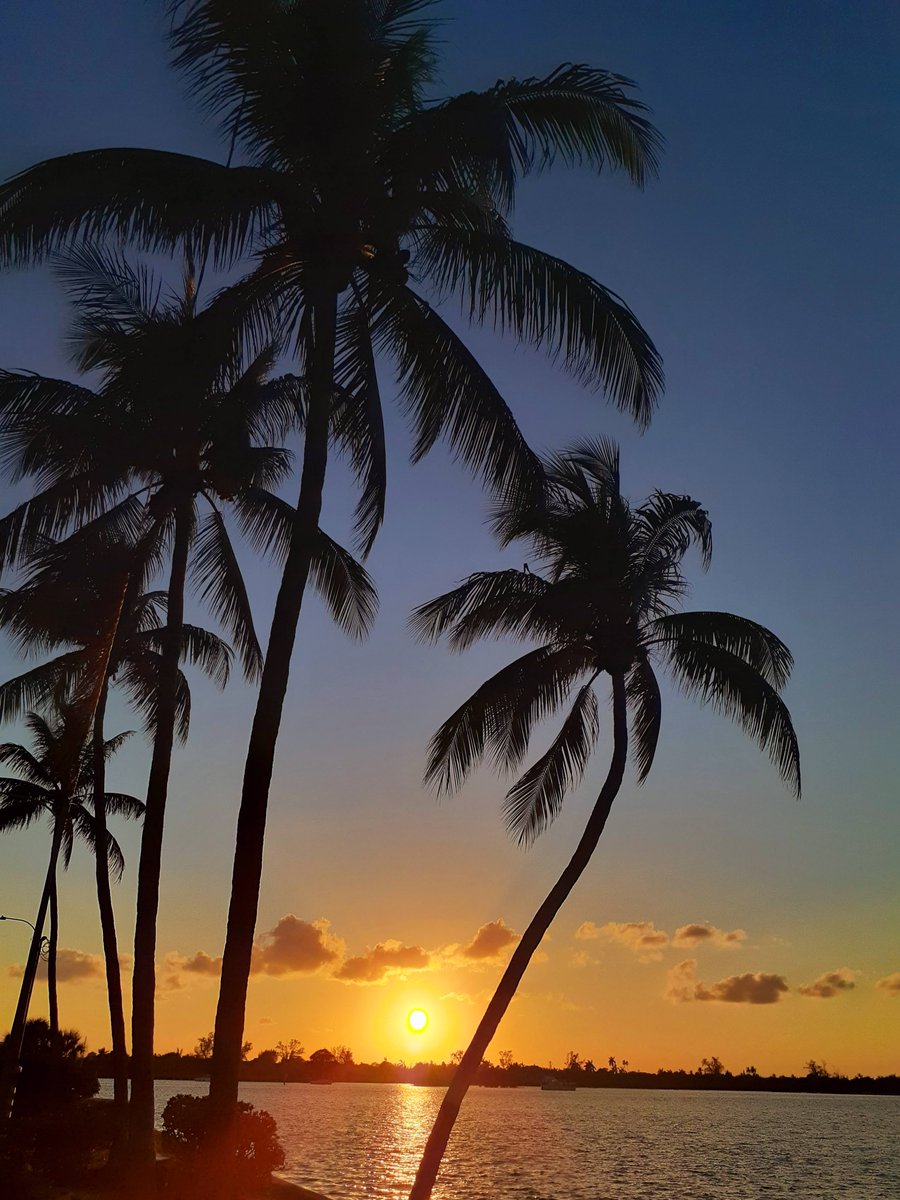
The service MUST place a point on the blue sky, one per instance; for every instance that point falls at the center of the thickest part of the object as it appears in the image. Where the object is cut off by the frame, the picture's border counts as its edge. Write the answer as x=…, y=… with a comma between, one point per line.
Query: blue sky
x=764, y=264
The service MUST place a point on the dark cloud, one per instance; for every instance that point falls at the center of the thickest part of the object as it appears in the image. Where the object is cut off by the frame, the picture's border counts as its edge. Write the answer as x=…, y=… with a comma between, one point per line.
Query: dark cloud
x=890, y=984
x=749, y=988
x=490, y=941
x=832, y=983
x=390, y=957
x=700, y=933
x=295, y=946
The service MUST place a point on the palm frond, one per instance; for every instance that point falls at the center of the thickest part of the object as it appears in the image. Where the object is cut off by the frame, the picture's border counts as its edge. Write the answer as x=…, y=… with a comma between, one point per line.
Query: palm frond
x=154, y=198
x=547, y=303
x=41, y=685
x=535, y=800
x=721, y=679
x=447, y=394
x=21, y=760
x=497, y=718
x=345, y=586
x=753, y=644
x=645, y=708
x=358, y=421
x=220, y=584
x=266, y=521
x=498, y=603
x=669, y=524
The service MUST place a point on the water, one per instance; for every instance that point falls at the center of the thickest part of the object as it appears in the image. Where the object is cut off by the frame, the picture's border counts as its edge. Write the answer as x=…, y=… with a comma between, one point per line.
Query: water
x=362, y=1141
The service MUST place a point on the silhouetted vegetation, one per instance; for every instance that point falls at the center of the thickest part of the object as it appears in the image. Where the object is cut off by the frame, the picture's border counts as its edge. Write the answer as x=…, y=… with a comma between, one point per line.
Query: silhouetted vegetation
x=186, y=1133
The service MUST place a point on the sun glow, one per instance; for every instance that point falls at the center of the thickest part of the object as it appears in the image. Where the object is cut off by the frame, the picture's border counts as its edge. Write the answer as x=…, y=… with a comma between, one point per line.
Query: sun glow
x=417, y=1020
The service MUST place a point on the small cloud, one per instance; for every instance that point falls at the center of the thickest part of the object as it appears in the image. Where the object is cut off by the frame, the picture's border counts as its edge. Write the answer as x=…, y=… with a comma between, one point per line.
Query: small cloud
x=580, y=958
x=490, y=941
x=266, y=1021
x=459, y=997
x=832, y=983
x=72, y=966
x=700, y=933
x=202, y=963
x=387, y=958
x=587, y=931
x=890, y=984
x=641, y=937
x=749, y=988
x=295, y=946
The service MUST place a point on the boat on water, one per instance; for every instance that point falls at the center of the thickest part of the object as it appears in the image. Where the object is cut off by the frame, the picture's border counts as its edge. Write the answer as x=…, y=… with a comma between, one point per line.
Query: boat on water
x=551, y=1083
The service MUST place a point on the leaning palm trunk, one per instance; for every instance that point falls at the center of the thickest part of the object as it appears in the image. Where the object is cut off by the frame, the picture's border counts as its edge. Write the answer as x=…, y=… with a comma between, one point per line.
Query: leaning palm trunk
x=13, y=1047
x=531, y=939
x=108, y=919
x=52, y=951
x=141, y=1108
x=251, y=828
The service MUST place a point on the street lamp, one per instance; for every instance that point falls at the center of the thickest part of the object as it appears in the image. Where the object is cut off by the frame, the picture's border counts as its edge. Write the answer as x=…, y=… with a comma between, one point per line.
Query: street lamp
x=45, y=941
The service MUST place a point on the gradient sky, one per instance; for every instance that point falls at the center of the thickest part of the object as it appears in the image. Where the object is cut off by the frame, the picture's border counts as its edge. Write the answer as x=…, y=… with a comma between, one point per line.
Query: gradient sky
x=764, y=263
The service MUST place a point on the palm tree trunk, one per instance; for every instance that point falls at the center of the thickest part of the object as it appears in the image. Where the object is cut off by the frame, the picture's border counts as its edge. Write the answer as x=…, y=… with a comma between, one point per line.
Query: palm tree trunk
x=13, y=1046
x=108, y=918
x=251, y=828
x=141, y=1107
x=531, y=939
x=52, y=948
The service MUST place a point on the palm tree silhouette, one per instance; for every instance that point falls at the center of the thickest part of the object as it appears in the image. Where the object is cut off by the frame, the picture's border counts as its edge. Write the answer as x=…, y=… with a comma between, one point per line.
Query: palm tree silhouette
x=90, y=572
x=353, y=185
x=602, y=600
x=48, y=783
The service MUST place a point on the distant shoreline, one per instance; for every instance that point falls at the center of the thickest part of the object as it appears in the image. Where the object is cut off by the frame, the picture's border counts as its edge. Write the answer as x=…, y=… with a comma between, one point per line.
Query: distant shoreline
x=630, y=1081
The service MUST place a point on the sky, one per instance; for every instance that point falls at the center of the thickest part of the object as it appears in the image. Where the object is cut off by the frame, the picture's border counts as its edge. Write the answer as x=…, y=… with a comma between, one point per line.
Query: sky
x=719, y=915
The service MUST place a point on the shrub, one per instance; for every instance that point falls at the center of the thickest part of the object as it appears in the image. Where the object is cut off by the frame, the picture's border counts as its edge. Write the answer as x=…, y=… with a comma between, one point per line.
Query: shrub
x=258, y=1150
x=54, y=1070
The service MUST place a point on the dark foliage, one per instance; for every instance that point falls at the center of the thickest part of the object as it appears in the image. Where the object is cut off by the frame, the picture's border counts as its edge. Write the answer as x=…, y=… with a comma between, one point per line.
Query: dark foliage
x=186, y=1124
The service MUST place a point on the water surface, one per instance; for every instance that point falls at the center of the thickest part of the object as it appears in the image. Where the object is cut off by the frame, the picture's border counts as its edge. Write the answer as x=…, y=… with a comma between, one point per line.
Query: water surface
x=360, y=1141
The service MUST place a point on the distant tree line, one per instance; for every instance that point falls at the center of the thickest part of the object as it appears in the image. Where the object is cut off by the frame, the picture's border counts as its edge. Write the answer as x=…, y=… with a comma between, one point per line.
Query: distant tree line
x=286, y=1062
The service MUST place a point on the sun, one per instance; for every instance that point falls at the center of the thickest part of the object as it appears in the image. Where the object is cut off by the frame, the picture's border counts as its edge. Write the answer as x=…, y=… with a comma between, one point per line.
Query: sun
x=417, y=1020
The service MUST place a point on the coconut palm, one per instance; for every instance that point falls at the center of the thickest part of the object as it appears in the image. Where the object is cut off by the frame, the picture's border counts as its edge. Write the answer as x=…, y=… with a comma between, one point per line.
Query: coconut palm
x=47, y=783
x=175, y=429
x=349, y=185
x=89, y=572
x=600, y=595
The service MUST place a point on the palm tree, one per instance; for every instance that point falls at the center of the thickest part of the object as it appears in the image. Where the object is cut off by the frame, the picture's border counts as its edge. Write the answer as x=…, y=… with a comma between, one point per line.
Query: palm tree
x=600, y=596
x=175, y=429
x=43, y=786
x=89, y=572
x=353, y=185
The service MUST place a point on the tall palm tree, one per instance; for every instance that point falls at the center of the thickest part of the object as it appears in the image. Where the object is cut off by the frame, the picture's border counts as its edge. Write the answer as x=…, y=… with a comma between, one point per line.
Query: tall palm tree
x=600, y=595
x=176, y=429
x=42, y=786
x=350, y=185
x=89, y=572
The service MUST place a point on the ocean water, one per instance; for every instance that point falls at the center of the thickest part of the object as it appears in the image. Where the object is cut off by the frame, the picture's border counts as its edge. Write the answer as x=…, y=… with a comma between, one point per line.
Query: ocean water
x=361, y=1141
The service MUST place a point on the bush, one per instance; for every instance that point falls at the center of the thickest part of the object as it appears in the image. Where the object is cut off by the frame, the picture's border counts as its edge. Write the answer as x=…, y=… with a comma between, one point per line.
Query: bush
x=54, y=1070
x=258, y=1151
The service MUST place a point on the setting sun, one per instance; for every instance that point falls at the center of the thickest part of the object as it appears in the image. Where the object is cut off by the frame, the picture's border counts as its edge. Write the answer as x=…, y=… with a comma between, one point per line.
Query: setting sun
x=417, y=1020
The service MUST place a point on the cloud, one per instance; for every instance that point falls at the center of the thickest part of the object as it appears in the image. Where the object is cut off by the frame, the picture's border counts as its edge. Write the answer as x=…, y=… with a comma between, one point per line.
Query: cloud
x=750, y=988
x=295, y=946
x=390, y=957
x=832, y=983
x=890, y=984
x=580, y=958
x=587, y=931
x=201, y=964
x=700, y=933
x=266, y=1021
x=72, y=966
x=490, y=941
x=641, y=937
